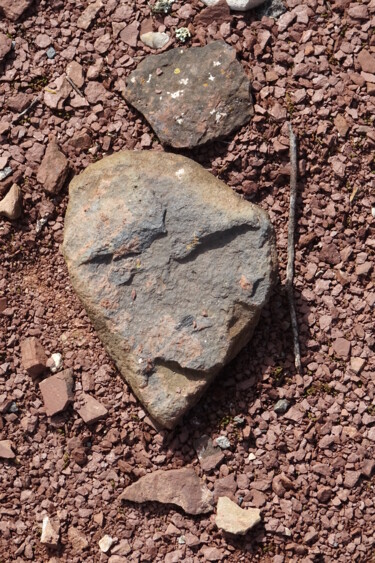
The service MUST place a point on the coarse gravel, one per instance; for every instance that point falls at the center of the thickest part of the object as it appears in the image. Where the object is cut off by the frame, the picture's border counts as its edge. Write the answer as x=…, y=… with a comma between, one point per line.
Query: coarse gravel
x=309, y=470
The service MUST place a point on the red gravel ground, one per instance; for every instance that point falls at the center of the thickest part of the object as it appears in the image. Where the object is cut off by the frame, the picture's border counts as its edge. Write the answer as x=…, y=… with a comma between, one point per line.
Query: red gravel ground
x=304, y=67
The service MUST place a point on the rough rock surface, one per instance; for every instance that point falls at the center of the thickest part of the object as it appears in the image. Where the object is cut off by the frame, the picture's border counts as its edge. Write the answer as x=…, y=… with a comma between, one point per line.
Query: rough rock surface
x=91, y=410
x=54, y=169
x=191, y=96
x=33, y=356
x=5, y=45
x=142, y=232
x=182, y=487
x=6, y=451
x=89, y=14
x=50, y=531
x=237, y=5
x=57, y=391
x=209, y=456
x=233, y=519
x=155, y=39
x=11, y=204
x=14, y=9
x=77, y=539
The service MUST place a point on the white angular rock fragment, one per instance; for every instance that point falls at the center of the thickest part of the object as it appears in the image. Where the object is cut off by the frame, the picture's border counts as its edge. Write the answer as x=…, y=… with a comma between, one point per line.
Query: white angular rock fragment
x=237, y=5
x=105, y=543
x=155, y=39
x=55, y=362
x=235, y=520
x=11, y=204
x=50, y=531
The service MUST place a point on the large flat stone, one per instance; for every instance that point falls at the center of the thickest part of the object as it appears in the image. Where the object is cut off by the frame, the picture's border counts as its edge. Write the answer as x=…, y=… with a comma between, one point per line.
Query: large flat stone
x=181, y=487
x=173, y=269
x=191, y=96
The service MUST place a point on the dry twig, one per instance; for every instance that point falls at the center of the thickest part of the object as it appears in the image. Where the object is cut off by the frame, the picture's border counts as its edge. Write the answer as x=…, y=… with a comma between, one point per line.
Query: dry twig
x=75, y=88
x=291, y=231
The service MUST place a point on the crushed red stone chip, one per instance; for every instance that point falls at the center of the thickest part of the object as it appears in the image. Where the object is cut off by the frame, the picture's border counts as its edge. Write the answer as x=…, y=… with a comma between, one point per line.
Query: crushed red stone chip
x=33, y=357
x=341, y=347
x=57, y=391
x=5, y=45
x=54, y=169
x=91, y=410
x=11, y=204
x=6, y=451
x=14, y=9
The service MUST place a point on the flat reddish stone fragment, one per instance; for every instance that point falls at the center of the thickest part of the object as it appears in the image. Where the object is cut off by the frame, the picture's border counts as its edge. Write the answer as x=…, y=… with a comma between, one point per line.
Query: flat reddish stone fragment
x=6, y=451
x=341, y=347
x=182, y=487
x=57, y=391
x=5, y=45
x=92, y=410
x=54, y=169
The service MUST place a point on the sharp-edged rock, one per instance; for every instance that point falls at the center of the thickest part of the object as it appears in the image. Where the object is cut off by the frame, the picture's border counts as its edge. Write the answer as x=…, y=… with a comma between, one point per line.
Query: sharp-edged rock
x=57, y=391
x=77, y=540
x=56, y=96
x=209, y=456
x=54, y=169
x=191, y=96
x=155, y=39
x=11, y=204
x=6, y=451
x=89, y=14
x=50, y=531
x=5, y=45
x=218, y=13
x=235, y=520
x=74, y=71
x=33, y=357
x=14, y=9
x=181, y=487
x=105, y=543
x=142, y=231
x=91, y=410
x=19, y=102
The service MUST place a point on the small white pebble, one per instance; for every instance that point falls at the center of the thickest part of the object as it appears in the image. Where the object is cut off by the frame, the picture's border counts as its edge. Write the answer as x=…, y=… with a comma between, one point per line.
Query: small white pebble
x=105, y=543
x=57, y=362
x=223, y=442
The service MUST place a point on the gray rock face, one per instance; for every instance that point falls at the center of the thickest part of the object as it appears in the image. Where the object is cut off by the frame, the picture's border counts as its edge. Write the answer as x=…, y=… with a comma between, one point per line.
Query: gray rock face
x=173, y=269
x=191, y=96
